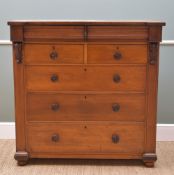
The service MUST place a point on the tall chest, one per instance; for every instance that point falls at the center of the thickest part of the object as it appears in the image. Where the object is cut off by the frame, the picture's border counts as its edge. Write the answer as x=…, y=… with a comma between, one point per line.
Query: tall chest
x=86, y=89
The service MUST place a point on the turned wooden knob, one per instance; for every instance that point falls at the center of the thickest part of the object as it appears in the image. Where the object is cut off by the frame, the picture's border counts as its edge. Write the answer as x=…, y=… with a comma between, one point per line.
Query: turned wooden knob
x=55, y=106
x=115, y=138
x=55, y=138
x=54, y=78
x=115, y=107
x=54, y=55
x=117, y=55
x=116, y=78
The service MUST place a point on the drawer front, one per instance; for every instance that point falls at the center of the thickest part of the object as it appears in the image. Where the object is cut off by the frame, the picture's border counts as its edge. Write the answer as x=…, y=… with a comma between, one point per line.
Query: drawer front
x=117, y=33
x=114, y=54
x=85, y=107
x=92, y=33
x=84, y=137
x=53, y=33
x=78, y=78
x=53, y=54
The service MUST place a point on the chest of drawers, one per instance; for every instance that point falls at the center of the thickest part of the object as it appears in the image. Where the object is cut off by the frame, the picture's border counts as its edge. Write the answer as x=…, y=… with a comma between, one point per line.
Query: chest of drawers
x=86, y=89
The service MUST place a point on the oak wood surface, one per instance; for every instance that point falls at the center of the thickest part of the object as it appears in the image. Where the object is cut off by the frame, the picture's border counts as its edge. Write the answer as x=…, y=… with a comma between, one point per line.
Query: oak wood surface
x=19, y=105
x=81, y=78
x=116, y=33
x=85, y=138
x=60, y=33
x=88, y=22
x=104, y=53
x=80, y=33
x=152, y=90
x=85, y=107
x=40, y=54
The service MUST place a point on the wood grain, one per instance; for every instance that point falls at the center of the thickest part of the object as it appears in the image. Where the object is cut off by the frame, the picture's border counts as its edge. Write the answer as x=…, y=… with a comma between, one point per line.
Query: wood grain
x=57, y=33
x=19, y=104
x=130, y=54
x=85, y=107
x=87, y=22
x=66, y=54
x=85, y=138
x=81, y=78
x=111, y=33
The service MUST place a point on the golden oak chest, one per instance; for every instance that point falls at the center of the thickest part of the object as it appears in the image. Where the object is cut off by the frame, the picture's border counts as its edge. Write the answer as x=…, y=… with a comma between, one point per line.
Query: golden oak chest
x=86, y=89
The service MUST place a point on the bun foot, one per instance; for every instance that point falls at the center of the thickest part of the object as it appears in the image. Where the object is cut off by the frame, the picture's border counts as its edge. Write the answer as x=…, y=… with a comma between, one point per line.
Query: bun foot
x=149, y=159
x=149, y=164
x=22, y=158
x=22, y=163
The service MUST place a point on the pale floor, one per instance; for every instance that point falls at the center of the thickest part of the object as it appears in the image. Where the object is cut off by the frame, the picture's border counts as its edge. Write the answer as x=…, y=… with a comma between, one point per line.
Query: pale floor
x=164, y=165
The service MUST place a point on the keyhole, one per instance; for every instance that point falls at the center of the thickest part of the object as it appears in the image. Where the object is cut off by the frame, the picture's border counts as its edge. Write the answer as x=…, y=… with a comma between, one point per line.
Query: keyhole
x=85, y=97
x=85, y=69
x=85, y=127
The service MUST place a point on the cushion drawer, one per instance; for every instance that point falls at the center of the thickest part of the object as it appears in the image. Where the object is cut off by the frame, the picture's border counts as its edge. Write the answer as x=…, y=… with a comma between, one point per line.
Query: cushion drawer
x=53, y=33
x=85, y=137
x=119, y=53
x=85, y=107
x=78, y=78
x=117, y=33
x=53, y=54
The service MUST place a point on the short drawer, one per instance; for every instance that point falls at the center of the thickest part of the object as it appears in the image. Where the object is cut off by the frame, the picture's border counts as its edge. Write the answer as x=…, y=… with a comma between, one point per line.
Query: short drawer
x=115, y=54
x=89, y=78
x=53, y=54
x=85, y=137
x=53, y=33
x=85, y=107
x=117, y=33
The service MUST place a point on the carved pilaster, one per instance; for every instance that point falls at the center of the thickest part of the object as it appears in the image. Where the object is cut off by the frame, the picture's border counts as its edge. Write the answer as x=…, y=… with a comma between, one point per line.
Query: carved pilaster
x=18, y=51
x=153, y=52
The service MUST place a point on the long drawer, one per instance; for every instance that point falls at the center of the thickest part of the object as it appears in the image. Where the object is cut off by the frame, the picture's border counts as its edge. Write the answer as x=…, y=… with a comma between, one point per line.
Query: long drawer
x=81, y=78
x=85, y=107
x=85, y=137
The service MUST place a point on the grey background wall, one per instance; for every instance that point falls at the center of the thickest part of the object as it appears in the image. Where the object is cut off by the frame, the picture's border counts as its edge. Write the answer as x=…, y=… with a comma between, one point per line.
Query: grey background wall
x=89, y=9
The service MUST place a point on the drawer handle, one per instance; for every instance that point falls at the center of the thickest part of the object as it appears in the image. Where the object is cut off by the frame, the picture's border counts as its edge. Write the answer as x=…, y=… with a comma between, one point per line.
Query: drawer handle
x=55, y=138
x=55, y=107
x=117, y=55
x=53, y=55
x=115, y=138
x=54, y=78
x=116, y=107
x=116, y=78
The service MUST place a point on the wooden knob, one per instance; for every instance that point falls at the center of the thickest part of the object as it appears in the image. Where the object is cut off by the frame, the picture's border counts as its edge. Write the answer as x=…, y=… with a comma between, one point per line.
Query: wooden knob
x=54, y=78
x=55, y=138
x=55, y=106
x=117, y=55
x=115, y=138
x=116, y=107
x=54, y=55
x=116, y=78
